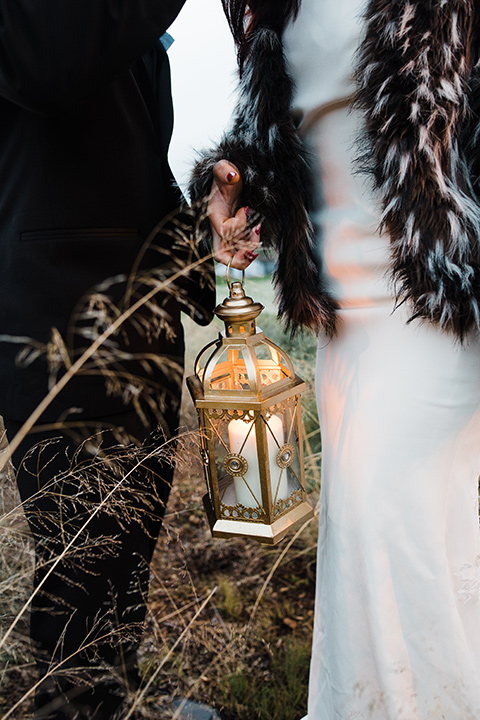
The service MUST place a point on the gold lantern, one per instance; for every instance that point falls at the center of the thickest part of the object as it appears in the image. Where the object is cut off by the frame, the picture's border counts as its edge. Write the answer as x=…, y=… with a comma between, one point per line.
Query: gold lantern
x=248, y=401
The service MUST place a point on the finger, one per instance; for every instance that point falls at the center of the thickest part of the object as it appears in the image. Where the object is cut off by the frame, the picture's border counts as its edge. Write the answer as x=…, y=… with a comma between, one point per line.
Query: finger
x=233, y=229
x=221, y=211
x=224, y=249
x=242, y=259
x=251, y=243
x=227, y=174
x=250, y=255
x=226, y=188
x=247, y=251
x=254, y=237
x=228, y=252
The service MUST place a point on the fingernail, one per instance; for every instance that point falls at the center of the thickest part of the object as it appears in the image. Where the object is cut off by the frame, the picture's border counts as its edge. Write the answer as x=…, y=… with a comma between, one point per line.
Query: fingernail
x=246, y=211
x=231, y=175
x=258, y=229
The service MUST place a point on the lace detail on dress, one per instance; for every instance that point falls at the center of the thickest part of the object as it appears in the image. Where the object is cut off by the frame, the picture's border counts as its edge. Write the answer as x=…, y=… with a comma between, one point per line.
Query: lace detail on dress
x=469, y=576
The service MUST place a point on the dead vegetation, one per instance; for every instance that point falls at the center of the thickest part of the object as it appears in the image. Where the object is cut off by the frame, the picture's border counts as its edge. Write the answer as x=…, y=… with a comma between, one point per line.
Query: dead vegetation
x=229, y=622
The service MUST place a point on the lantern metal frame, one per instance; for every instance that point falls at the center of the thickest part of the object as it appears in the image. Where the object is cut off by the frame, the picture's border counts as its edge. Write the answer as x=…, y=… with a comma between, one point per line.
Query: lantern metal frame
x=244, y=376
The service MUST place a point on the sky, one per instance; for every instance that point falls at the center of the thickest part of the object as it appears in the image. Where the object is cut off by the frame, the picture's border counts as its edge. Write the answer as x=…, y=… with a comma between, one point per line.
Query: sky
x=203, y=68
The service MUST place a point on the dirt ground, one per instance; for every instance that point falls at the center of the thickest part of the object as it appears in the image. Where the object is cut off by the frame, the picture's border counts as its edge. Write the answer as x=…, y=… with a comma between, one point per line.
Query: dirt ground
x=230, y=621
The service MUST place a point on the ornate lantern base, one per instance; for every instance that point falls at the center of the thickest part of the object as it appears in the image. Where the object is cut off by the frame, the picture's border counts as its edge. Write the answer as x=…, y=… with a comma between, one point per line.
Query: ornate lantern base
x=265, y=534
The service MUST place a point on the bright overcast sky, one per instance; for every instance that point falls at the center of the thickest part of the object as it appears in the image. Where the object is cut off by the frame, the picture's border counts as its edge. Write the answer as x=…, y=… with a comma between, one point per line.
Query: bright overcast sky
x=203, y=66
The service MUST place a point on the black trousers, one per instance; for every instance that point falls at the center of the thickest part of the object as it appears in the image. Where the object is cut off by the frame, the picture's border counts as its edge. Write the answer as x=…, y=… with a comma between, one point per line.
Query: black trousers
x=94, y=502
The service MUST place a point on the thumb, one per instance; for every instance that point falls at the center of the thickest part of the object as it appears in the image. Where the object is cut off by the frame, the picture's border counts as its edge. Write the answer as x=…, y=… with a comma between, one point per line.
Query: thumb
x=227, y=174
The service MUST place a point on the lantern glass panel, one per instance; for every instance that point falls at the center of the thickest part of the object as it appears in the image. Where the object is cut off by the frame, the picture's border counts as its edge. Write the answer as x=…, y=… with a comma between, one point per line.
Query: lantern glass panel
x=233, y=439
x=242, y=461
x=230, y=371
x=285, y=367
x=240, y=439
x=271, y=367
x=289, y=459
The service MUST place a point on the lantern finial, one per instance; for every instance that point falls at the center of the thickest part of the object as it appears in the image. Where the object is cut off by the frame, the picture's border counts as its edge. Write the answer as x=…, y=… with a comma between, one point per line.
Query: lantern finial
x=238, y=312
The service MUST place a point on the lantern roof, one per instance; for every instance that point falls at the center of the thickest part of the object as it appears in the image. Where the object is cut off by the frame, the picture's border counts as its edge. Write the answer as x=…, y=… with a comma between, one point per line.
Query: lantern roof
x=242, y=363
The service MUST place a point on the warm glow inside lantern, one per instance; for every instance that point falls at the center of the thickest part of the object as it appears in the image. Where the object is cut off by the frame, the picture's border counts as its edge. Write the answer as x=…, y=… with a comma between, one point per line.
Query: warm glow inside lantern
x=248, y=401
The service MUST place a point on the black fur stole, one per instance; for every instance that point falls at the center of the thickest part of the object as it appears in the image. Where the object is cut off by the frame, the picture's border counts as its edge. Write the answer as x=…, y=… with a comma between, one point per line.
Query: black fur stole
x=421, y=106
x=264, y=145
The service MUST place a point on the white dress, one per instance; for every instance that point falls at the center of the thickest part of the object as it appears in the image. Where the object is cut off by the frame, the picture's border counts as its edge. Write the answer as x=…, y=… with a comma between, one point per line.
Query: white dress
x=397, y=616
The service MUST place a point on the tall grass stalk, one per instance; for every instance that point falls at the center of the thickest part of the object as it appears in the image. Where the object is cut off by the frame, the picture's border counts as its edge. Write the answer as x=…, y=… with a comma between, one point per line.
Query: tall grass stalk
x=75, y=368
x=229, y=621
x=139, y=697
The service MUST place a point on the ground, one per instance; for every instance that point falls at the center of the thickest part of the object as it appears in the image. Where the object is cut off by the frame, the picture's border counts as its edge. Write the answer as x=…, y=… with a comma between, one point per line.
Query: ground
x=230, y=621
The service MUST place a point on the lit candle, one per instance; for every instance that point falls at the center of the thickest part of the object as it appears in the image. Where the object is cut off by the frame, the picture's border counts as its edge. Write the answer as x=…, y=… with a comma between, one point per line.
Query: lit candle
x=247, y=487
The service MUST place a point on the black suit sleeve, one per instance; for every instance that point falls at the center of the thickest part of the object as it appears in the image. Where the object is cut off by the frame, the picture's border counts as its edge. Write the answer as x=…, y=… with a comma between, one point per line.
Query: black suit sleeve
x=54, y=54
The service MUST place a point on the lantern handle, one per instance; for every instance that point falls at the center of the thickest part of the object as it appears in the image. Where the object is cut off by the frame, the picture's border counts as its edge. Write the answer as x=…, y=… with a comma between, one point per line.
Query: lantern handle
x=228, y=274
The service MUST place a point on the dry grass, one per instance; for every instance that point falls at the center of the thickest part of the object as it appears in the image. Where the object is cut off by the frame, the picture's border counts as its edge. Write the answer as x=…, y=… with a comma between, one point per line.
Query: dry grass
x=17, y=670
x=248, y=652
x=229, y=621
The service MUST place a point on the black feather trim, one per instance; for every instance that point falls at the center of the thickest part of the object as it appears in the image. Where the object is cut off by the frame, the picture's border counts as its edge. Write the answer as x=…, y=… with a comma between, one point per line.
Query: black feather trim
x=263, y=143
x=414, y=84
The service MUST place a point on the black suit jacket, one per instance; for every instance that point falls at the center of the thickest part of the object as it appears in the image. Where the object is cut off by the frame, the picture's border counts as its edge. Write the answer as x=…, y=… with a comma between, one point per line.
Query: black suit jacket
x=85, y=123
